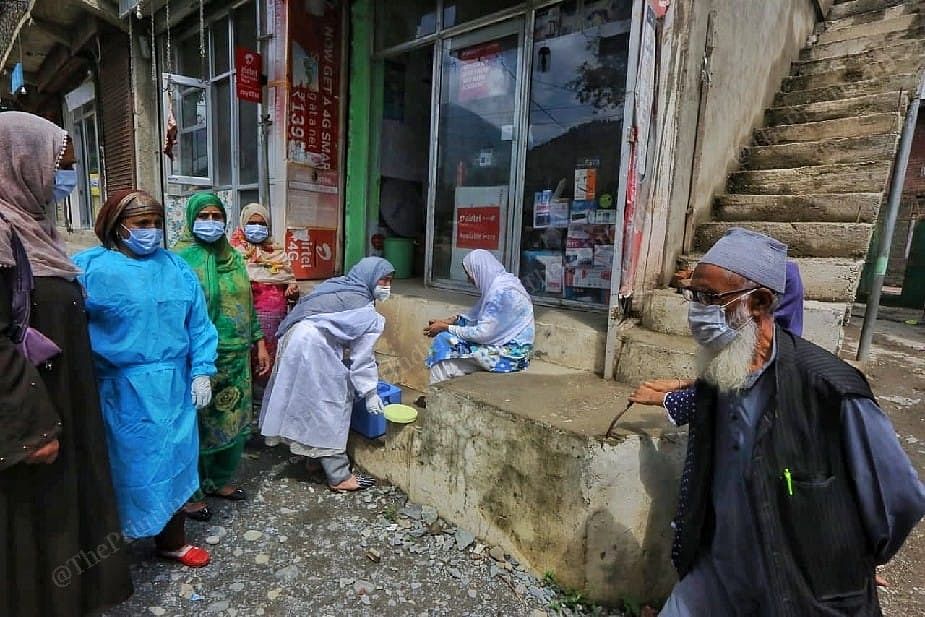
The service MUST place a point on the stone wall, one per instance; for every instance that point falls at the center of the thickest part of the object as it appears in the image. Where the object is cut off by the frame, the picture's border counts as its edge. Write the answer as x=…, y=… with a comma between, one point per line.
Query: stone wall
x=713, y=131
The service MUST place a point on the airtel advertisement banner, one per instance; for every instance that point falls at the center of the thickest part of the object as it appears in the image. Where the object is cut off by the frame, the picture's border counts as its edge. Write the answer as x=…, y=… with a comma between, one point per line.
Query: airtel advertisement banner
x=248, y=67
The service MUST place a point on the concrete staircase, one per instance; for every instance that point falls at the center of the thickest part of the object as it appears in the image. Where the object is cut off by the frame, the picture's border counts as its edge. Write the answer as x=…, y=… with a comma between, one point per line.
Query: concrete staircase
x=814, y=177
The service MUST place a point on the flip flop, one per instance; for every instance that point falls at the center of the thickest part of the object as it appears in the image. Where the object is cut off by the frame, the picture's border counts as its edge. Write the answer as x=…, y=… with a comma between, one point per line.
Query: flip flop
x=364, y=481
x=190, y=556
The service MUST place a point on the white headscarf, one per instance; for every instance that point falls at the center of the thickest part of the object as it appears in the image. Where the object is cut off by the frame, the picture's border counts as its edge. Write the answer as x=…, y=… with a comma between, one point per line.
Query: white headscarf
x=493, y=281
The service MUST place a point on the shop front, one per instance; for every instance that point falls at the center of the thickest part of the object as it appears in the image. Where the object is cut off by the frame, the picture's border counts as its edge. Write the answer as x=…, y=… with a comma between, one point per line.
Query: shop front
x=497, y=126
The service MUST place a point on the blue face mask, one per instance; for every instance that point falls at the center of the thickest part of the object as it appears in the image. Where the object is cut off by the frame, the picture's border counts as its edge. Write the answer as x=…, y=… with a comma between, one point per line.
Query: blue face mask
x=143, y=241
x=709, y=326
x=256, y=233
x=209, y=231
x=65, y=181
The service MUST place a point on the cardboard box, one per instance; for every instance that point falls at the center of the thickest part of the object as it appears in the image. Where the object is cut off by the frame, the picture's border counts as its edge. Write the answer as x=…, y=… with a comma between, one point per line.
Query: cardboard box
x=602, y=217
x=603, y=256
x=581, y=210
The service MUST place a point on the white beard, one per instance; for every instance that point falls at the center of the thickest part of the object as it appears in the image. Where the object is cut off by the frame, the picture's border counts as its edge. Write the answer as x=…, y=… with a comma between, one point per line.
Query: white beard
x=728, y=369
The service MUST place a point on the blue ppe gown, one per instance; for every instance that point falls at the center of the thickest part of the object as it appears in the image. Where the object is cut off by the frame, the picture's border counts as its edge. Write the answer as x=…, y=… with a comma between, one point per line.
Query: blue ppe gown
x=151, y=334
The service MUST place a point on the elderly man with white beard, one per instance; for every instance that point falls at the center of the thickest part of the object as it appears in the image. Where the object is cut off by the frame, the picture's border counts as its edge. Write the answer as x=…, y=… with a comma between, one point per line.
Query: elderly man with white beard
x=795, y=486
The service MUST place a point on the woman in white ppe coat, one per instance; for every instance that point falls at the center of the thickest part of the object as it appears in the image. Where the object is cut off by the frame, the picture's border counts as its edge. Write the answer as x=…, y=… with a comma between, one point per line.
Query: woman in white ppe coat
x=325, y=359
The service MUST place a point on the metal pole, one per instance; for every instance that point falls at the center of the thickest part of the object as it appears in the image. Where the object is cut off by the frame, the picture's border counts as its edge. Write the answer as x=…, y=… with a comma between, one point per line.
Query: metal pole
x=889, y=223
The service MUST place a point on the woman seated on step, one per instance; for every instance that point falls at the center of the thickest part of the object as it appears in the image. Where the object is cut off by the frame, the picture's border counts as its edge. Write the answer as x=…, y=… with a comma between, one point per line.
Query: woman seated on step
x=496, y=335
x=325, y=356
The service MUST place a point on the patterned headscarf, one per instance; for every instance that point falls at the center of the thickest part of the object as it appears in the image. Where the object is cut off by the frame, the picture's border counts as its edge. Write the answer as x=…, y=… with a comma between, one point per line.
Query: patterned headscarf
x=120, y=205
x=266, y=262
x=30, y=150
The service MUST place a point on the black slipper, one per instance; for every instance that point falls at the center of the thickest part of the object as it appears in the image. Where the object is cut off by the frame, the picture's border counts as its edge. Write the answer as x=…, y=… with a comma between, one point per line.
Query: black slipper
x=237, y=494
x=203, y=514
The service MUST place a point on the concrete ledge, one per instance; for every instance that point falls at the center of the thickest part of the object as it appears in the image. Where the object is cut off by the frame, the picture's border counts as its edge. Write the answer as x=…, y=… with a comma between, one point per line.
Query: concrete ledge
x=646, y=354
x=839, y=108
x=518, y=460
x=573, y=339
x=803, y=239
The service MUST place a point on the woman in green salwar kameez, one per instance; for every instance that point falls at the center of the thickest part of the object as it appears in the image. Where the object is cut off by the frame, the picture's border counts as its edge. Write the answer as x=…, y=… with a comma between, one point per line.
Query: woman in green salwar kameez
x=225, y=423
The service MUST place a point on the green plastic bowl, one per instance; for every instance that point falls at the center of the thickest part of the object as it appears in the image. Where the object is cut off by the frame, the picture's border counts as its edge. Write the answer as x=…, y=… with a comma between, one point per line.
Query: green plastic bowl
x=400, y=414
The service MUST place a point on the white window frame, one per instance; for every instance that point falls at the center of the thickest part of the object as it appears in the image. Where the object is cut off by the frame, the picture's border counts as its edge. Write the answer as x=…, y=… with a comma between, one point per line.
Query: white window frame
x=190, y=82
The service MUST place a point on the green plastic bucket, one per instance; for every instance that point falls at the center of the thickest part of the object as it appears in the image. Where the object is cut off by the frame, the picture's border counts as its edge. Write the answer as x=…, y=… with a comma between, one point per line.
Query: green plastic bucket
x=400, y=252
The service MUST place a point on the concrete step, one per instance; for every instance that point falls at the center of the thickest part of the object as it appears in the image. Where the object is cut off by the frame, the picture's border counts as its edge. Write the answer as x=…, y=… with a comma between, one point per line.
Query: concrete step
x=824, y=152
x=835, y=23
x=857, y=7
x=863, y=126
x=849, y=240
x=824, y=279
x=838, y=31
x=850, y=90
x=904, y=57
x=852, y=178
x=520, y=461
x=887, y=102
x=823, y=207
x=665, y=311
x=572, y=339
x=645, y=354
x=854, y=72
x=821, y=51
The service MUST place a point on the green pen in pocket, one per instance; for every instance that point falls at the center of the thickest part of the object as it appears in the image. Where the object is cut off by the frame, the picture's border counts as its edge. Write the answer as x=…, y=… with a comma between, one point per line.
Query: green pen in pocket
x=789, y=479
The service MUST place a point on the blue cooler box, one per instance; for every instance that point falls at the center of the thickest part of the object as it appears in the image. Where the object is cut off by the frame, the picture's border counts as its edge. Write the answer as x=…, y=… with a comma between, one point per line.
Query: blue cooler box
x=370, y=425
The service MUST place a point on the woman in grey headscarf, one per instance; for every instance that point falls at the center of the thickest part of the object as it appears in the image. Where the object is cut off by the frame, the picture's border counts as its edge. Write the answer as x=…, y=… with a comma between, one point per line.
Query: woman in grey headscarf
x=56, y=496
x=325, y=357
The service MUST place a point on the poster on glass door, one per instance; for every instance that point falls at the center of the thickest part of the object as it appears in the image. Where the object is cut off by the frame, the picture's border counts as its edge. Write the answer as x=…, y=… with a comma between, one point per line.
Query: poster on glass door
x=478, y=223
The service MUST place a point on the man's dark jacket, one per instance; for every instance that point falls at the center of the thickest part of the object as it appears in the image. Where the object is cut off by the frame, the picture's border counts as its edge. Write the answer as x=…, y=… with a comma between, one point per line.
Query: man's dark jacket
x=812, y=541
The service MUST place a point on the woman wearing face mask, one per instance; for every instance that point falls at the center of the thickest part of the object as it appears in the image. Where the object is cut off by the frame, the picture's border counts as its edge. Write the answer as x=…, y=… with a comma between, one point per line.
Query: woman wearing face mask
x=270, y=273
x=224, y=424
x=150, y=386
x=326, y=356
x=56, y=497
x=495, y=335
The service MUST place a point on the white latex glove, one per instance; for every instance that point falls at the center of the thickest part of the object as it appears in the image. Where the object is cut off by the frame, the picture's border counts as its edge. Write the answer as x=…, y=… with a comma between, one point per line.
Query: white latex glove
x=374, y=403
x=202, y=391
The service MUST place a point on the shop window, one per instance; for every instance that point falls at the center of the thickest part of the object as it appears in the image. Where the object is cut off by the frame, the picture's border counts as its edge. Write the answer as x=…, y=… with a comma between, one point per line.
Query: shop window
x=221, y=52
x=457, y=12
x=400, y=22
x=571, y=178
x=478, y=105
x=248, y=142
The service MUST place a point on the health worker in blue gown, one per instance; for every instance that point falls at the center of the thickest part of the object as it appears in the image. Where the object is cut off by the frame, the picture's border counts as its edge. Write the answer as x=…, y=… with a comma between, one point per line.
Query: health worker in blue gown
x=154, y=348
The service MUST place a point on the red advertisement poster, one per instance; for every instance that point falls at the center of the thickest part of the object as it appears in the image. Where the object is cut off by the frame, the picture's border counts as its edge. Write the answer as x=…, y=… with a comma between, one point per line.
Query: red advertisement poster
x=248, y=66
x=312, y=128
x=481, y=74
x=311, y=251
x=478, y=228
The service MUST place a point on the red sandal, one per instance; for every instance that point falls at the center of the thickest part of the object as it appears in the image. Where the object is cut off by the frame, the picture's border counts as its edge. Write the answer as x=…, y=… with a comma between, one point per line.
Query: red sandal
x=190, y=556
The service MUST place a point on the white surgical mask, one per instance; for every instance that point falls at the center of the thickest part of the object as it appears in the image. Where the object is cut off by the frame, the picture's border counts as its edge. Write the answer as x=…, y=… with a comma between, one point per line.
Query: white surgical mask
x=382, y=292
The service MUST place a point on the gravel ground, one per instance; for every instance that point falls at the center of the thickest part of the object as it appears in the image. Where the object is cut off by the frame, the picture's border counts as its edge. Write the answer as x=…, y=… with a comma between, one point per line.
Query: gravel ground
x=297, y=549
x=896, y=369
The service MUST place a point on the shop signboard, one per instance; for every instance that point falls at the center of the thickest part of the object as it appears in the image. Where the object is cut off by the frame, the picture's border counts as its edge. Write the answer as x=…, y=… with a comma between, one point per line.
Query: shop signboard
x=248, y=65
x=313, y=121
x=311, y=251
x=479, y=223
